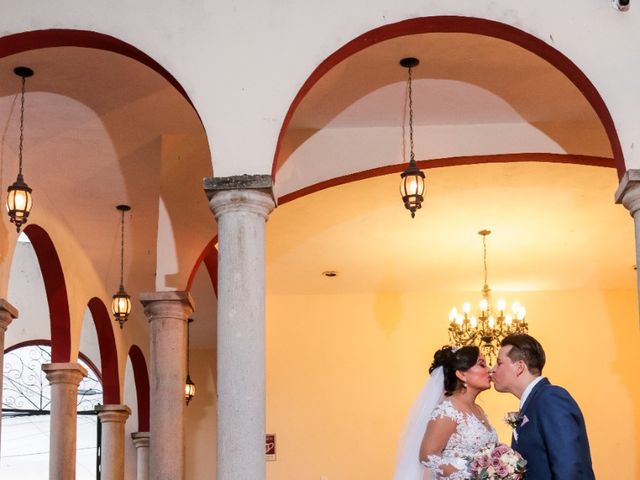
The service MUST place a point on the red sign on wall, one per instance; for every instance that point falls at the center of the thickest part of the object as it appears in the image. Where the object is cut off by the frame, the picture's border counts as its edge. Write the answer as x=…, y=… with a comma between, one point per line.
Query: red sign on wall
x=270, y=446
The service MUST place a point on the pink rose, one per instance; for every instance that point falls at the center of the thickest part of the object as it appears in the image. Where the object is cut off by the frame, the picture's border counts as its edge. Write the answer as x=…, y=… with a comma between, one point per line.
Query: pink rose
x=495, y=462
x=502, y=471
x=503, y=449
x=483, y=461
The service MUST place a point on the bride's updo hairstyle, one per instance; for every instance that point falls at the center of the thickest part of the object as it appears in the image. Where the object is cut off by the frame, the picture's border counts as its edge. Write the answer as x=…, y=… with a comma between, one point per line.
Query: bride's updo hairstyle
x=451, y=361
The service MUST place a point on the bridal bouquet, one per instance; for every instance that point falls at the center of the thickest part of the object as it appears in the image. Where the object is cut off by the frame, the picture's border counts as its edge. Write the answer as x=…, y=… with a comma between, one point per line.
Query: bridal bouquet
x=498, y=463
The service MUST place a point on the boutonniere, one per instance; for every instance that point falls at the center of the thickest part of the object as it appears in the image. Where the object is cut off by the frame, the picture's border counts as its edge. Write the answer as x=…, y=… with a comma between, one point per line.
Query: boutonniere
x=514, y=419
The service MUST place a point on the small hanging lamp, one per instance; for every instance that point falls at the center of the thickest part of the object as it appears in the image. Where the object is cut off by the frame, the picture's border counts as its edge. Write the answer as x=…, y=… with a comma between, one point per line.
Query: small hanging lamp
x=121, y=303
x=19, y=199
x=412, y=179
x=189, y=386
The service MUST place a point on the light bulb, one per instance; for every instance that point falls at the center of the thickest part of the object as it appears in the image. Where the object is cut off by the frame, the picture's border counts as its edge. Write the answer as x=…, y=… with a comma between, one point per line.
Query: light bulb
x=515, y=307
x=474, y=322
x=466, y=307
x=453, y=314
x=492, y=321
x=501, y=305
x=508, y=319
x=459, y=319
x=483, y=305
x=521, y=313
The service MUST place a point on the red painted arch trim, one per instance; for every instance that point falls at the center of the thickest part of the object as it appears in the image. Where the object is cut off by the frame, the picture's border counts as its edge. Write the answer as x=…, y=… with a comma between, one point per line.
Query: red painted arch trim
x=36, y=39
x=56, y=290
x=210, y=258
x=449, y=162
x=43, y=341
x=108, y=351
x=452, y=24
x=141, y=377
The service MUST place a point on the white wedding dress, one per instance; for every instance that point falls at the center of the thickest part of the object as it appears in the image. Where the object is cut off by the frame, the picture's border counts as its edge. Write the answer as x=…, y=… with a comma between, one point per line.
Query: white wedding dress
x=471, y=436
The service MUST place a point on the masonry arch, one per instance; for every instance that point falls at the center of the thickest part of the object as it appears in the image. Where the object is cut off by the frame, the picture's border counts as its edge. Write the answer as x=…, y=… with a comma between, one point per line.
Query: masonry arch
x=359, y=74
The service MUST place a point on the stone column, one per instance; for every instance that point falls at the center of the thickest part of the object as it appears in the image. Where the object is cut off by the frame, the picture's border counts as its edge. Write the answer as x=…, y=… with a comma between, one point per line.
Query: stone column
x=7, y=313
x=141, y=442
x=112, y=417
x=167, y=313
x=628, y=193
x=64, y=379
x=241, y=206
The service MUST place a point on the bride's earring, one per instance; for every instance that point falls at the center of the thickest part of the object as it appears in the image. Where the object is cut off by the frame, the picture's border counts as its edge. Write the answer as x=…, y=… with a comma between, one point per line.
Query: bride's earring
x=464, y=384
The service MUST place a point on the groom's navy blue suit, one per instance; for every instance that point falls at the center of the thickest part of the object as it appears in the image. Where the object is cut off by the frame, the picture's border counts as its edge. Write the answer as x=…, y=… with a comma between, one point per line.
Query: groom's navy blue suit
x=552, y=436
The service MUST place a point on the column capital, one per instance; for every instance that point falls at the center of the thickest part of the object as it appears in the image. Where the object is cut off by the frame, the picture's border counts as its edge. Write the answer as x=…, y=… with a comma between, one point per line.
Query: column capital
x=141, y=439
x=113, y=413
x=172, y=304
x=69, y=372
x=628, y=192
x=7, y=313
x=242, y=193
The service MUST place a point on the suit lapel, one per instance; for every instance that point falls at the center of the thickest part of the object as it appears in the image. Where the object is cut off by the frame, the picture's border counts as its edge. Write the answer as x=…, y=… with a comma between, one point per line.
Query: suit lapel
x=529, y=401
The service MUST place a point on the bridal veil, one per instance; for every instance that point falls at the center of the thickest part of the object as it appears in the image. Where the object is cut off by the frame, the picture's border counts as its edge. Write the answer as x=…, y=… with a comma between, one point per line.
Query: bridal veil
x=408, y=466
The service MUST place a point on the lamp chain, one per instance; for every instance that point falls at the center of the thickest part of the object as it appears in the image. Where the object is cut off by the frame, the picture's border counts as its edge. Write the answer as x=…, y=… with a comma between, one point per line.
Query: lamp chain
x=21, y=126
x=412, y=156
x=484, y=246
x=188, y=329
x=122, y=251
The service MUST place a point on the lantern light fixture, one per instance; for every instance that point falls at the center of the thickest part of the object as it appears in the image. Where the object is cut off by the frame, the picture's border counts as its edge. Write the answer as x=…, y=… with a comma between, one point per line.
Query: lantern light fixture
x=189, y=386
x=121, y=303
x=412, y=179
x=19, y=199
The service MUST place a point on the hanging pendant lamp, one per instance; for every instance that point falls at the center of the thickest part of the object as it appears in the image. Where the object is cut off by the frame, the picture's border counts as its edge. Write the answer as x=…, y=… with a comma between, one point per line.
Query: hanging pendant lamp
x=412, y=179
x=121, y=303
x=189, y=386
x=19, y=199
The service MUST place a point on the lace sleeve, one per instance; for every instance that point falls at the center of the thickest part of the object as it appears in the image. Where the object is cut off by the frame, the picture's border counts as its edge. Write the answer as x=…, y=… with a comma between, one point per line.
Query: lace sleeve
x=447, y=410
x=435, y=463
x=448, y=457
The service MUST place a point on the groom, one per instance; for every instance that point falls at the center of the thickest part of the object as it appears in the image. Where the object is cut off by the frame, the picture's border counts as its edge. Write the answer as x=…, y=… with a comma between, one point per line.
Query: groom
x=550, y=432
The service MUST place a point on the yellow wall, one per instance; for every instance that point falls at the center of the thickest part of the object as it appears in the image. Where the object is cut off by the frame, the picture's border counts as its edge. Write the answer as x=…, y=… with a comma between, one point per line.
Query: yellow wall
x=343, y=370
x=200, y=417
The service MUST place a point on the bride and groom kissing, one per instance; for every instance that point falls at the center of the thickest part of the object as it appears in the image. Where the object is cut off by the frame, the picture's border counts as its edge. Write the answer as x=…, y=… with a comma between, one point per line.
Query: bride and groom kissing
x=447, y=428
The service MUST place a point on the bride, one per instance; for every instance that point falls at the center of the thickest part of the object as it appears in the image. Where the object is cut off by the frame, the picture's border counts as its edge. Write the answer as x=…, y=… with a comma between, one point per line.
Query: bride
x=446, y=425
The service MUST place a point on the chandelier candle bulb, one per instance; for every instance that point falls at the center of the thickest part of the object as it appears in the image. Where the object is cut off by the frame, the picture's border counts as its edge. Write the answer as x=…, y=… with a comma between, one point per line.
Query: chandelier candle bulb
x=501, y=306
x=466, y=308
x=484, y=305
x=453, y=314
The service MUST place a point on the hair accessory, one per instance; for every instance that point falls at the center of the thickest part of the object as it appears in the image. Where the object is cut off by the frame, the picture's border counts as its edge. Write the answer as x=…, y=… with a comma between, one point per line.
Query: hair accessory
x=455, y=349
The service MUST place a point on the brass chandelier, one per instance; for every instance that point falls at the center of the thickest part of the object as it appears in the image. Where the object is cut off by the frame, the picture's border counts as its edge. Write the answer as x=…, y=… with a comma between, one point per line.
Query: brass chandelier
x=490, y=325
